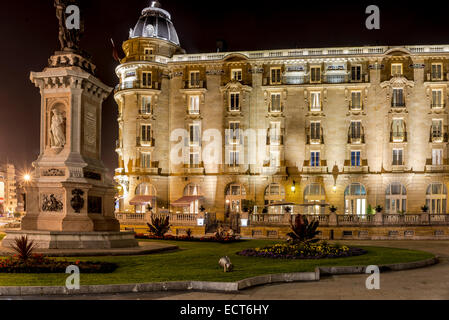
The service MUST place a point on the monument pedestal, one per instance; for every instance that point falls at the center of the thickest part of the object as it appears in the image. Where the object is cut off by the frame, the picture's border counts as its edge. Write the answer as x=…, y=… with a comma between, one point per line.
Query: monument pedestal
x=70, y=201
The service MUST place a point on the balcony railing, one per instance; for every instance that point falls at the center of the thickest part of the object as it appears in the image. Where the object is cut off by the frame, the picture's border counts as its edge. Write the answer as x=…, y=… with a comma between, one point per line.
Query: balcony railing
x=437, y=105
x=400, y=104
x=437, y=136
x=194, y=84
x=275, y=137
x=149, y=142
x=398, y=137
x=356, y=139
x=127, y=85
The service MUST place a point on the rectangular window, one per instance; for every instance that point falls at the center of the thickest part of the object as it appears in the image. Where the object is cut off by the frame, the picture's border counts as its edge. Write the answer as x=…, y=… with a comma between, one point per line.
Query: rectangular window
x=148, y=51
x=275, y=160
x=234, y=132
x=356, y=158
x=194, y=81
x=194, y=105
x=275, y=133
x=398, y=130
x=315, y=159
x=146, y=105
x=437, y=71
x=234, y=102
x=194, y=159
x=396, y=69
x=315, y=131
x=315, y=100
x=194, y=134
x=356, y=130
x=234, y=158
x=146, y=133
x=356, y=73
x=437, y=129
x=437, y=157
x=437, y=99
x=276, y=102
x=356, y=100
x=146, y=79
x=398, y=98
x=315, y=74
x=275, y=76
x=236, y=74
x=398, y=158
x=145, y=160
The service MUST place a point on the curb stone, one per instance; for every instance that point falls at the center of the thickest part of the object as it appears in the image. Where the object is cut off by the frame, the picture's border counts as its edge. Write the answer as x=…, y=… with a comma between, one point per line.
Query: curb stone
x=200, y=286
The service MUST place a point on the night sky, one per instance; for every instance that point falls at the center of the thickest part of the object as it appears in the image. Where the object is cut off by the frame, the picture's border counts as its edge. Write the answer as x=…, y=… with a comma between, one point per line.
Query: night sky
x=29, y=32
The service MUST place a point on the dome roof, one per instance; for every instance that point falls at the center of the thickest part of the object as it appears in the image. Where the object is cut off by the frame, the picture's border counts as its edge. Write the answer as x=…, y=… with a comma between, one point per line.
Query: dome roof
x=155, y=22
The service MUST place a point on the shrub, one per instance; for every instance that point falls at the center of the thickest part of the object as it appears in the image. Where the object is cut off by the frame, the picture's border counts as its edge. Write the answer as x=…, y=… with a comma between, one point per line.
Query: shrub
x=189, y=233
x=159, y=226
x=23, y=247
x=303, y=231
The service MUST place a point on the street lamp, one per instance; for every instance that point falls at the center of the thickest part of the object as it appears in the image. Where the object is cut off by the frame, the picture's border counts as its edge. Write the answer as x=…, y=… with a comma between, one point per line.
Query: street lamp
x=27, y=177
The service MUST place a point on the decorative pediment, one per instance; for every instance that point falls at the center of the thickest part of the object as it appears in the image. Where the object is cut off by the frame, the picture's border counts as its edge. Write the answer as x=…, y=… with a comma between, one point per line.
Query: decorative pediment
x=235, y=86
x=397, y=82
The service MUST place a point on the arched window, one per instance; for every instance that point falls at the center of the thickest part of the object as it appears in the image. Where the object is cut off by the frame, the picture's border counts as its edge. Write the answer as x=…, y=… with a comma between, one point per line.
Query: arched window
x=274, y=193
x=396, y=199
x=436, y=198
x=235, y=195
x=314, y=198
x=145, y=189
x=355, y=199
x=145, y=197
x=193, y=190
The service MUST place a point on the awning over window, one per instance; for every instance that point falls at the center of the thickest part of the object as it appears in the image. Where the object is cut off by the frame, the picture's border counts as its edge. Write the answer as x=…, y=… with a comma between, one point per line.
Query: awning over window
x=185, y=201
x=142, y=200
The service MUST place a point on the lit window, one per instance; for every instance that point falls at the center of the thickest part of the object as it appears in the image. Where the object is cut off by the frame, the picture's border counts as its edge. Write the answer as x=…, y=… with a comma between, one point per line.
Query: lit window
x=398, y=130
x=234, y=132
x=276, y=102
x=437, y=129
x=437, y=99
x=234, y=158
x=356, y=100
x=145, y=160
x=315, y=98
x=398, y=157
x=194, y=134
x=146, y=105
x=236, y=74
x=437, y=157
x=396, y=69
x=194, y=105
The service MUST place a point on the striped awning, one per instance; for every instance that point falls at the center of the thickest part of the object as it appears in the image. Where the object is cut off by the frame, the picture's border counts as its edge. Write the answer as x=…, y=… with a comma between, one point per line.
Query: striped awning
x=142, y=200
x=185, y=201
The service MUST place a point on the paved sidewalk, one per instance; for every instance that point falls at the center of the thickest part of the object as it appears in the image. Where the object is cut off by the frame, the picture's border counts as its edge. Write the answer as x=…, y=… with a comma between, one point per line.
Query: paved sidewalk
x=427, y=283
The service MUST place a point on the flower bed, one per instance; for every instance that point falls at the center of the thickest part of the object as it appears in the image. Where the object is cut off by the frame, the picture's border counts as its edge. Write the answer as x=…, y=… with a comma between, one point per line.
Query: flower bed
x=40, y=264
x=227, y=239
x=321, y=250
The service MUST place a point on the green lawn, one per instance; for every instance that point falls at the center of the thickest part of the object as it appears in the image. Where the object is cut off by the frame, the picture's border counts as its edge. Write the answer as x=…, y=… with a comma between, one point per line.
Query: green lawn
x=199, y=261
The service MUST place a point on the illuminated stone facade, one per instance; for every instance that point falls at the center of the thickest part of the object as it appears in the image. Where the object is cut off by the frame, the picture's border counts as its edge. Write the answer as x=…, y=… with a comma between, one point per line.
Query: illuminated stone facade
x=8, y=189
x=349, y=127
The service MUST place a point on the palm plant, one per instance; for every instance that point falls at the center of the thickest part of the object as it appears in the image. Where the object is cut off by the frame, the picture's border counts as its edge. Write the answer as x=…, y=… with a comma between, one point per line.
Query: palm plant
x=24, y=248
x=333, y=209
x=159, y=226
x=303, y=231
x=425, y=208
x=379, y=209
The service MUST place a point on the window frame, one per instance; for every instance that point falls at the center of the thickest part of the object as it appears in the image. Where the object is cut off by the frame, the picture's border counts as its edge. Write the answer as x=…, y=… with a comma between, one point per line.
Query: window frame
x=315, y=67
x=145, y=79
x=394, y=67
x=277, y=76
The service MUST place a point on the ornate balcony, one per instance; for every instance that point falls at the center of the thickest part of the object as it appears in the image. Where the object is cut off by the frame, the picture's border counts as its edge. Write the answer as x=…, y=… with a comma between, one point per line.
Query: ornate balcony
x=145, y=143
x=398, y=137
x=197, y=84
x=129, y=85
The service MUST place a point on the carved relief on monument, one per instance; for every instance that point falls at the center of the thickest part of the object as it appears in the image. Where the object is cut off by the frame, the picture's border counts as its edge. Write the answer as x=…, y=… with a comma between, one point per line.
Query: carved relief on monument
x=52, y=203
x=90, y=129
x=53, y=173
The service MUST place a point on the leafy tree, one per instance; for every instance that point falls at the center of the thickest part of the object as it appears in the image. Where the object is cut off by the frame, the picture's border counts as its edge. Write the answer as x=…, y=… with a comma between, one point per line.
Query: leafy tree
x=159, y=226
x=303, y=231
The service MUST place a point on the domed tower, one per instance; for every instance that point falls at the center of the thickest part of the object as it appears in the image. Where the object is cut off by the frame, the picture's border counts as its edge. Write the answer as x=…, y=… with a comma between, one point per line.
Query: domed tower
x=143, y=103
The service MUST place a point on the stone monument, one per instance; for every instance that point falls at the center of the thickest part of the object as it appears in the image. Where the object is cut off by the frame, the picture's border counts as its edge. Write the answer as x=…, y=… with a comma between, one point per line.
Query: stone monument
x=70, y=201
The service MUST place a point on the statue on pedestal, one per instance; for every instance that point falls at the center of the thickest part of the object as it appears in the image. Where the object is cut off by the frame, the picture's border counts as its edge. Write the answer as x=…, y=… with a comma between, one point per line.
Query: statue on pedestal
x=58, y=139
x=69, y=38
